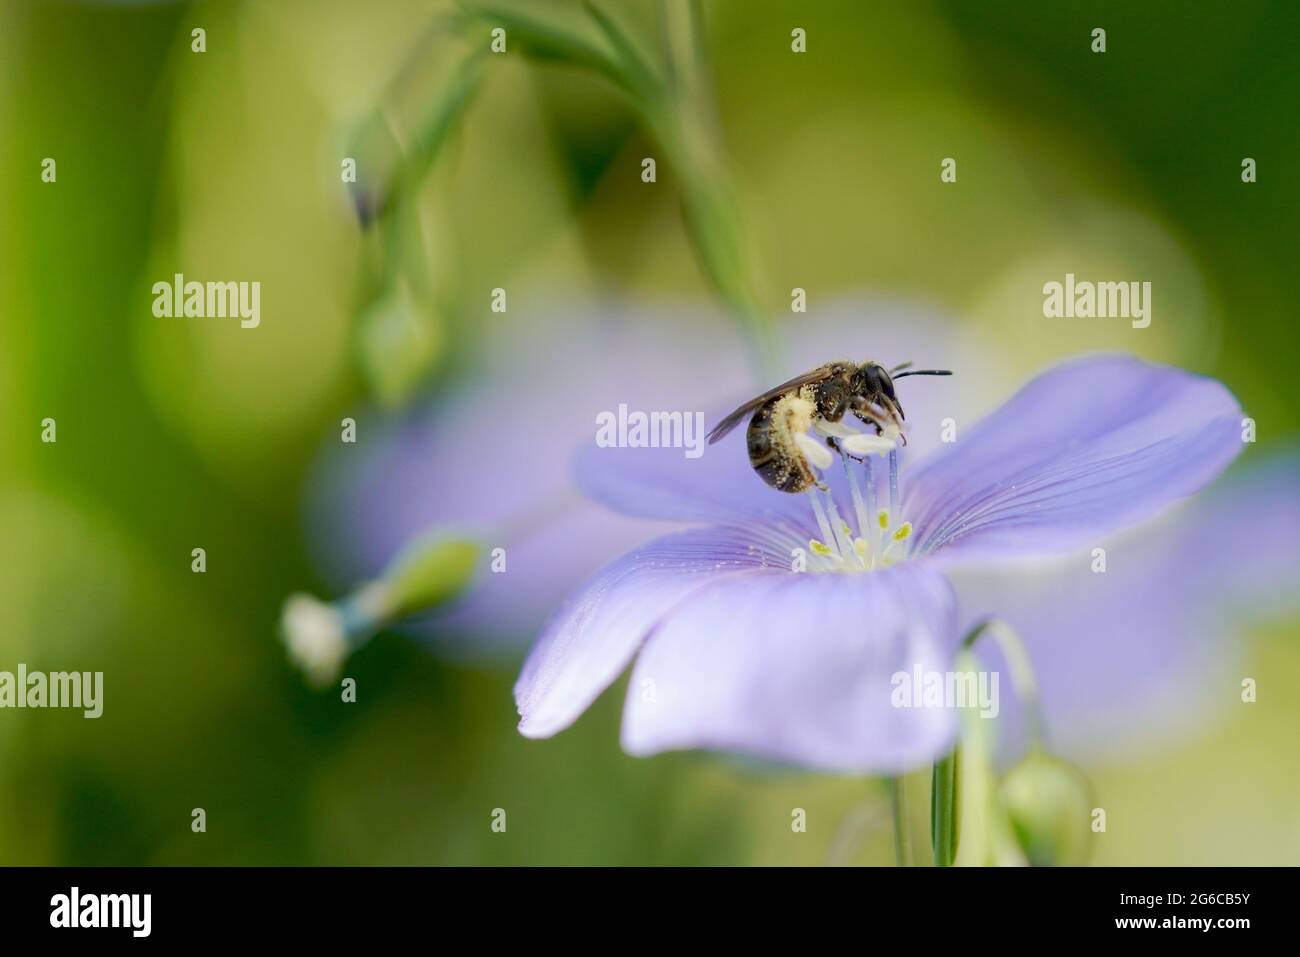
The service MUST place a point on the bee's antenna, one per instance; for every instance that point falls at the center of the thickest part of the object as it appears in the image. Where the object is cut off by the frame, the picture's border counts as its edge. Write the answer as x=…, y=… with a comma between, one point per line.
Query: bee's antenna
x=923, y=372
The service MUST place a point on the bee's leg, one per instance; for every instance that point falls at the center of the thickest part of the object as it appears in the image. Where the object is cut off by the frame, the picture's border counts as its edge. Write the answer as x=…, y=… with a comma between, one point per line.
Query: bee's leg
x=839, y=449
x=870, y=412
x=884, y=415
x=851, y=442
x=837, y=446
x=895, y=410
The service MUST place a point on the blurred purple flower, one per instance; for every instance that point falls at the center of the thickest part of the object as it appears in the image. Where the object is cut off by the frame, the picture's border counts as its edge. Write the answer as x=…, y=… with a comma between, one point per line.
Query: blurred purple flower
x=529, y=403
x=736, y=651
x=1149, y=651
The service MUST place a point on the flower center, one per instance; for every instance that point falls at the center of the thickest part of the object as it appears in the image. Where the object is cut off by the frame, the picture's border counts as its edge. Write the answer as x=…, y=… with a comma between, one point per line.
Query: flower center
x=881, y=537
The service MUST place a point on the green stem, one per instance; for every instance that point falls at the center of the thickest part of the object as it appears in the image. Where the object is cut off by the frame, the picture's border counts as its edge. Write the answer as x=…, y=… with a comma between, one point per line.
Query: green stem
x=902, y=835
x=683, y=28
x=679, y=113
x=688, y=132
x=944, y=808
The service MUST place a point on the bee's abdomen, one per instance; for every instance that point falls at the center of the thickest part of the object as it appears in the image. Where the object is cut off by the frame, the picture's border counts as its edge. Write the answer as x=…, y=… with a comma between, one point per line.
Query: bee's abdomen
x=772, y=451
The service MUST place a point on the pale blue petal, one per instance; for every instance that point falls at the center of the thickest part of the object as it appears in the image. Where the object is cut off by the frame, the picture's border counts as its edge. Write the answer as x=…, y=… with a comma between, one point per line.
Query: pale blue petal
x=798, y=669
x=589, y=643
x=1089, y=447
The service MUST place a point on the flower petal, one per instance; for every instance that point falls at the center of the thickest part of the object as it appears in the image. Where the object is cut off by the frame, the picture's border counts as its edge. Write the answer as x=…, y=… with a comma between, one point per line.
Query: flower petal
x=798, y=669
x=1086, y=448
x=720, y=486
x=590, y=642
x=1147, y=653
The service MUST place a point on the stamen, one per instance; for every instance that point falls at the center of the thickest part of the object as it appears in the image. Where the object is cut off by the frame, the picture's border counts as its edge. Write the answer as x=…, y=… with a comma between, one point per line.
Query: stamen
x=871, y=491
x=893, y=480
x=879, y=541
x=843, y=534
x=897, y=537
x=855, y=490
x=822, y=523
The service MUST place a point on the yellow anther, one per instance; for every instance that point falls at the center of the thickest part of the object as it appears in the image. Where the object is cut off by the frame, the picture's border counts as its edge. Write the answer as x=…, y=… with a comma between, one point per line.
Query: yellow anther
x=882, y=519
x=860, y=546
x=819, y=548
x=903, y=532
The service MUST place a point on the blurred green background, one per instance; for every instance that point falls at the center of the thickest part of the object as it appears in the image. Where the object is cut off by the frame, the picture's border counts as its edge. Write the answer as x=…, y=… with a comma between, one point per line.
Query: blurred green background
x=226, y=164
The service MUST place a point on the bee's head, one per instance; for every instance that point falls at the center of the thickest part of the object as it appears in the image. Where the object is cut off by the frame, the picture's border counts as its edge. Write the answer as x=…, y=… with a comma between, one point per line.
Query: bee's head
x=876, y=383
x=873, y=383
x=873, y=379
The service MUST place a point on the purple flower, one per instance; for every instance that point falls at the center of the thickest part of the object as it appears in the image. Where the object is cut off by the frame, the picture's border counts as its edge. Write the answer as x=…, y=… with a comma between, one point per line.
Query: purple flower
x=739, y=650
x=532, y=401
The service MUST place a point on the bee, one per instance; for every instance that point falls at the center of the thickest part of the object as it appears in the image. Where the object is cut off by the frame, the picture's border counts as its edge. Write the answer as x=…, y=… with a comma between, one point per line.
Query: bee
x=819, y=398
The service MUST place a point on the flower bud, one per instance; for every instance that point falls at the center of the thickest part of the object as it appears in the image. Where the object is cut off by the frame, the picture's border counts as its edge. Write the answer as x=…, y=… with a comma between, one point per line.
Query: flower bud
x=315, y=637
x=1048, y=801
x=400, y=341
x=320, y=636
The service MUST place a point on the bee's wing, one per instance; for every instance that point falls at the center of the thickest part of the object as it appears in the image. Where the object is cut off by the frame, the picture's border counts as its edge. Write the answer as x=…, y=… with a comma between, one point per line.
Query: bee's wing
x=820, y=374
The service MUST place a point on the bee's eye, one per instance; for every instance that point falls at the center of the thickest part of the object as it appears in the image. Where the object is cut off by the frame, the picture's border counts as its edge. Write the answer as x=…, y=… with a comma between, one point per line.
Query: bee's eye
x=877, y=379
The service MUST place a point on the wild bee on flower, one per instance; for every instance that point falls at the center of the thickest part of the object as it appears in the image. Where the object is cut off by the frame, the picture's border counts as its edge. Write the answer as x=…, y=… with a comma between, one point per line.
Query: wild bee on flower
x=780, y=446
